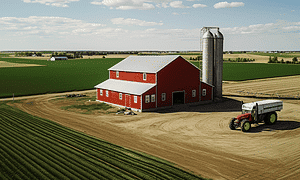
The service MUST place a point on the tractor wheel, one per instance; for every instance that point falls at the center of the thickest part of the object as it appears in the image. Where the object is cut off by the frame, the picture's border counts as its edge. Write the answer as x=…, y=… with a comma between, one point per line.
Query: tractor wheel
x=271, y=118
x=245, y=125
x=231, y=124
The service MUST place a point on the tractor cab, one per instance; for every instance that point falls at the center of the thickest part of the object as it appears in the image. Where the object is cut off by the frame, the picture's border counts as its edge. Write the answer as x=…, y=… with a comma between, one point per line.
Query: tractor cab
x=248, y=111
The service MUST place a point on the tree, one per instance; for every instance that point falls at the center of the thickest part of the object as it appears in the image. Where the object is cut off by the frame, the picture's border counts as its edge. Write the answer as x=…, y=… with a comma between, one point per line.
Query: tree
x=275, y=59
x=270, y=59
x=282, y=61
x=295, y=60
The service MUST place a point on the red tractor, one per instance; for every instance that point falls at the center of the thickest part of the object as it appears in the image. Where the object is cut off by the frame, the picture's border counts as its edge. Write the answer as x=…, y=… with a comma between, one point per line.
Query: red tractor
x=254, y=113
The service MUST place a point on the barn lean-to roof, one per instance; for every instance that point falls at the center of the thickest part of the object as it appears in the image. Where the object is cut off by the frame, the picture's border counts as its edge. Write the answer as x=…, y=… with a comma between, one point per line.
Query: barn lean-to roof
x=130, y=87
x=149, y=64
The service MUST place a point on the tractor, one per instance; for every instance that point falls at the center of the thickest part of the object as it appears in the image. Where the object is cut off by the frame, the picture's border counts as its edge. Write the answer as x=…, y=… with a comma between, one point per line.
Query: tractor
x=256, y=112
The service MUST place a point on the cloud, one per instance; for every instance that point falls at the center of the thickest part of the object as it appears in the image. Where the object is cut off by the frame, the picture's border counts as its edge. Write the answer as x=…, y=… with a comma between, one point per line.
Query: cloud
x=164, y=5
x=57, y=3
x=47, y=26
x=137, y=22
x=175, y=13
x=126, y=4
x=199, y=5
x=228, y=5
x=271, y=28
x=177, y=4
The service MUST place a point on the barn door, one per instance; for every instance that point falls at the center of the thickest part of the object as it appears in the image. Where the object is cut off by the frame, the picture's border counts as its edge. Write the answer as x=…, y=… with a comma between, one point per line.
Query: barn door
x=128, y=100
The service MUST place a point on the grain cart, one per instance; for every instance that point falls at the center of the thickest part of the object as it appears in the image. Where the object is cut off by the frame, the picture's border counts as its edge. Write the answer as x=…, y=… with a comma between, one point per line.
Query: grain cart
x=256, y=112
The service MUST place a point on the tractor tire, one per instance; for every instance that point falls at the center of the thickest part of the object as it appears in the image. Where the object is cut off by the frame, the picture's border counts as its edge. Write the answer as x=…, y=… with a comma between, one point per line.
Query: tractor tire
x=271, y=118
x=245, y=125
x=231, y=124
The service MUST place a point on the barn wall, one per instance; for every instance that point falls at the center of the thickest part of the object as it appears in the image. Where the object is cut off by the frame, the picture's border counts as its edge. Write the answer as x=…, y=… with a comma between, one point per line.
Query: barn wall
x=177, y=76
x=127, y=100
x=133, y=76
x=208, y=92
x=150, y=104
x=130, y=101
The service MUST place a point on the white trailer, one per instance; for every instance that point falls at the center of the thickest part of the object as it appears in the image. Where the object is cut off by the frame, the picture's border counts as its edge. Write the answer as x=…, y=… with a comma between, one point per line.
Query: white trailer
x=263, y=107
x=257, y=112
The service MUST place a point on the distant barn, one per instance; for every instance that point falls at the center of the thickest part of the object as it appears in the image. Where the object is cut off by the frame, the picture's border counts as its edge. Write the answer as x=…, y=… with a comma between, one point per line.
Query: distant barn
x=58, y=58
x=148, y=82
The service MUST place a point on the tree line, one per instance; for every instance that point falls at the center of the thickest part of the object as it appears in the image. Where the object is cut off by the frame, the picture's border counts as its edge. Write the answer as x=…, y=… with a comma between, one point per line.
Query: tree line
x=241, y=60
x=27, y=53
x=275, y=60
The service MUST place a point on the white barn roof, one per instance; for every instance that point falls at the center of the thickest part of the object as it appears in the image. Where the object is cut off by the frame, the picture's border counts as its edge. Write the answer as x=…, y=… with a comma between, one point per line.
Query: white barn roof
x=130, y=87
x=150, y=64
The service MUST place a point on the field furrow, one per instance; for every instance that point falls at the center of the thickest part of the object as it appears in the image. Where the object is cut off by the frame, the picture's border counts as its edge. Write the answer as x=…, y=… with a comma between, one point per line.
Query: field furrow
x=127, y=163
x=46, y=149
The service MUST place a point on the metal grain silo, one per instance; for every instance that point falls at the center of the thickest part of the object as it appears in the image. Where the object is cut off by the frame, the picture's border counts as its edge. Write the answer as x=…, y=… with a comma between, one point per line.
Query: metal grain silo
x=218, y=63
x=208, y=57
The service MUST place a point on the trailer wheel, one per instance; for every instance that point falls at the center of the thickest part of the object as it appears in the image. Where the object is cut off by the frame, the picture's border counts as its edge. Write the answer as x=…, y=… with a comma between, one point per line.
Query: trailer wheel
x=246, y=126
x=231, y=124
x=271, y=118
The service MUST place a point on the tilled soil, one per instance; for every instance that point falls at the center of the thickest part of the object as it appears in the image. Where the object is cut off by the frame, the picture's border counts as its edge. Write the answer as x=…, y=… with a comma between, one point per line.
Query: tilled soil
x=194, y=137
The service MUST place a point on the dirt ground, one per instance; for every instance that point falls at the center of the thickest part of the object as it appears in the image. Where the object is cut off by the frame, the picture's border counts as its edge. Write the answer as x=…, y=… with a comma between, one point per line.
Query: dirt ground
x=195, y=137
x=258, y=58
x=8, y=64
x=287, y=87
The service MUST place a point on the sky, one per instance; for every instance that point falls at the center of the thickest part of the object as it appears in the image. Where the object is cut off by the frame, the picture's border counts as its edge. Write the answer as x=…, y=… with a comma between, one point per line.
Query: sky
x=147, y=25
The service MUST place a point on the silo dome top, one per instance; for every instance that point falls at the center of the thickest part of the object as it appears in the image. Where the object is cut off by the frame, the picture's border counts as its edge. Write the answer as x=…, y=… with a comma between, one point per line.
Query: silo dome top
x=208, y=35
x=219, y=35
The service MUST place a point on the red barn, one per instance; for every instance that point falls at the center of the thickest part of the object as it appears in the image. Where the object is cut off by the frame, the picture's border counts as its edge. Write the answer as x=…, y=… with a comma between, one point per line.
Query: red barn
x=147, y=82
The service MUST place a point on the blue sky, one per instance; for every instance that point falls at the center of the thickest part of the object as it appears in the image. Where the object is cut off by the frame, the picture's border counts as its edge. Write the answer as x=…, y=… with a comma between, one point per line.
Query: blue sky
x=147, y=24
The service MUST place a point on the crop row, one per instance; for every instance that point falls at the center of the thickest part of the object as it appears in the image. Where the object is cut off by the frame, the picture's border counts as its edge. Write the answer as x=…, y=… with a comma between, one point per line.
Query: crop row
x=35, y=148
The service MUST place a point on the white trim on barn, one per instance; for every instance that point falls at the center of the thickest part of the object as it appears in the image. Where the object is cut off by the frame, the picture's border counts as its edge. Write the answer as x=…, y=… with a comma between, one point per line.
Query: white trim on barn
x=134, y=109
x=129, y=87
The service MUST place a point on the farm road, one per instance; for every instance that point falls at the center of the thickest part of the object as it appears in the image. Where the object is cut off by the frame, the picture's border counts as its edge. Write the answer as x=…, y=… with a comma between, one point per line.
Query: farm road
x=200, y=142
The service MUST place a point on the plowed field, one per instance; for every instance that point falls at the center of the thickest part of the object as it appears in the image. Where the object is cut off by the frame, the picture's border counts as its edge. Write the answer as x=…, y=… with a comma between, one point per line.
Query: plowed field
x=271, y=87
x=196, y=137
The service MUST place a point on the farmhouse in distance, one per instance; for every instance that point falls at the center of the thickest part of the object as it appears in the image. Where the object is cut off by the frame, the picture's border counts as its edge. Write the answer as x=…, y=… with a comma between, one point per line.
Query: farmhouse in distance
x=58, y=58
x=148, y=82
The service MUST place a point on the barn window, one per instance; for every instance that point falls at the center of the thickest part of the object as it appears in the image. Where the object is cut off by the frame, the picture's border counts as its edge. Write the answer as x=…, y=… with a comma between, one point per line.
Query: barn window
x=144, y=76
x=117, y=74
x=203, y=92
x=153, y=98
x=101, y=92
x=106, y=93
x=120, y=96
x=147, y=98
x=135, y=99
x=163, y=96
x=194, y=93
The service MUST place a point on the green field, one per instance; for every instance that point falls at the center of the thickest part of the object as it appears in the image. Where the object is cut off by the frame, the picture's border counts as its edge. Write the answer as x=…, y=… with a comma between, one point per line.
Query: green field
x=35, y=148
x=57, y=76
x=83, y=74
x=249, y=71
